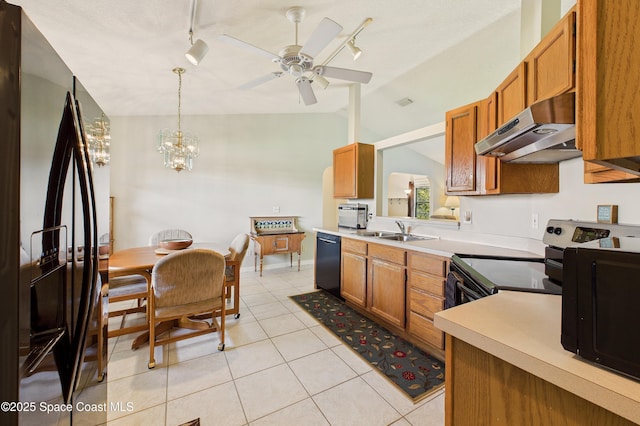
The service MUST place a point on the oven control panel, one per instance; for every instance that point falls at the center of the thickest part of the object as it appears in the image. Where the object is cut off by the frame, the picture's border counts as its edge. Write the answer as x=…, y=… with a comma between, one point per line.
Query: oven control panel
x=565, y=233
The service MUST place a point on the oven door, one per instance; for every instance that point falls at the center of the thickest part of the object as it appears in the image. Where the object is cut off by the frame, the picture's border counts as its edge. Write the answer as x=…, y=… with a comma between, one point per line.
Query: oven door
x=461, y=287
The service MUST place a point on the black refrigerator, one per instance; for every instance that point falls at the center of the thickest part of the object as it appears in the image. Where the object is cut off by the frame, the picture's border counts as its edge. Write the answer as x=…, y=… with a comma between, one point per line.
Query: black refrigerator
x=49, y=263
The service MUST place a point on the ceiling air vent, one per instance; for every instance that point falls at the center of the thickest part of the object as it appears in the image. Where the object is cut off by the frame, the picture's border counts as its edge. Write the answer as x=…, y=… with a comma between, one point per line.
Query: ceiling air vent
x=404, y=102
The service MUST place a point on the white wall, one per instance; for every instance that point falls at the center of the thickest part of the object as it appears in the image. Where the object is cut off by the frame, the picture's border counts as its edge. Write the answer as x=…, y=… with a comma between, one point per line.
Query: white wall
x=511, y=214
x=248, y=164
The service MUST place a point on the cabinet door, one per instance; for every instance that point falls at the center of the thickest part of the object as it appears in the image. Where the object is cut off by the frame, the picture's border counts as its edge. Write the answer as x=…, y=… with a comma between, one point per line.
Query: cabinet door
x=551, y=64
x=353, y=279
x=344, y=172
x=353, y=171
x=491, y=165
x=387, y=291
x=460, y=156
x=607, y=101
x=512, y=94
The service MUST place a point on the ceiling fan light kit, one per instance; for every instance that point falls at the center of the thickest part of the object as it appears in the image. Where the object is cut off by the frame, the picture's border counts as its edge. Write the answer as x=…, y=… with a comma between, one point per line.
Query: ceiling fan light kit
x=298, y=60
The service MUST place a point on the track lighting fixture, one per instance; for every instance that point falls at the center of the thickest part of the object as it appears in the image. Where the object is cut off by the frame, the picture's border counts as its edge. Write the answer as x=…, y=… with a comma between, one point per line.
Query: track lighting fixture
x=199, y=49
x=355, y=51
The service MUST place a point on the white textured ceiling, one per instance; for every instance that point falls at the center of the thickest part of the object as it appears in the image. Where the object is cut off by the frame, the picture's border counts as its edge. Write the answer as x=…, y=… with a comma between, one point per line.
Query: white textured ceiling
x=123, y=51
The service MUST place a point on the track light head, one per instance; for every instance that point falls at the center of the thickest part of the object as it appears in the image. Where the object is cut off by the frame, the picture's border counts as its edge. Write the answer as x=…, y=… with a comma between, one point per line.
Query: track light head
x=197, y=52
x=355, y=51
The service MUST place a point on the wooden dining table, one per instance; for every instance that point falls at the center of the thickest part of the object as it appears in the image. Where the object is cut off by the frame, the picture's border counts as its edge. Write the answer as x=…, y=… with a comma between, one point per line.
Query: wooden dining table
x=141, y=260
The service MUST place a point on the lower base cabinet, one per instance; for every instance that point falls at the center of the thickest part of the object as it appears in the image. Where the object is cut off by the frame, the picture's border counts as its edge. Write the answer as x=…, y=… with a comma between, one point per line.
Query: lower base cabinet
x=353, y=271
x=485, y=390
x=425, y=286
x=401, y=288
x=386, y=283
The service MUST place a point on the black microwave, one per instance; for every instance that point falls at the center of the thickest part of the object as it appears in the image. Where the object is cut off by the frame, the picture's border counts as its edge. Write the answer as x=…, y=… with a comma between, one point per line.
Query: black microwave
x=600, y=303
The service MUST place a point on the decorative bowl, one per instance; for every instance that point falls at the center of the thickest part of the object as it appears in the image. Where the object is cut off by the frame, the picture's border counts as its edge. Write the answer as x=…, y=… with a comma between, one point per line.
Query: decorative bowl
x=177, y=244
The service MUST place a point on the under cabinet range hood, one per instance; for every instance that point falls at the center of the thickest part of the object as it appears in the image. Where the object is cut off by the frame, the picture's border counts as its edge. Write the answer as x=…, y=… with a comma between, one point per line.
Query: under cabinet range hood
x=542, y=133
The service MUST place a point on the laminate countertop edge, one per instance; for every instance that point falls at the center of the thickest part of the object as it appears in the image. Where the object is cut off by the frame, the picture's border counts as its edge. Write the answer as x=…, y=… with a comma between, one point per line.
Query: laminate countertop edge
x=436, y=246
x=524, y=329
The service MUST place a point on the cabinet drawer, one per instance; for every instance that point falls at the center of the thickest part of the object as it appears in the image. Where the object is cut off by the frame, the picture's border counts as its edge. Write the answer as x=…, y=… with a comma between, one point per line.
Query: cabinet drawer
x=430, y=264
x=424, y=329
x=425, y=304
x=390, y=254
x=425, y=282
x=354, y=246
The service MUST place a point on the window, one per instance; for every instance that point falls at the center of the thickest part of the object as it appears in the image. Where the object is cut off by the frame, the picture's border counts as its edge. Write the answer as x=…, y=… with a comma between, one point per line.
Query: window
x=422, y=196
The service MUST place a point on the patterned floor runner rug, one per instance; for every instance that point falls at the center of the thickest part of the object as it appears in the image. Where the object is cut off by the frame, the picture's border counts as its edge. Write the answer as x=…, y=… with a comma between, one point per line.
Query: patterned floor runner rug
x=411, y=369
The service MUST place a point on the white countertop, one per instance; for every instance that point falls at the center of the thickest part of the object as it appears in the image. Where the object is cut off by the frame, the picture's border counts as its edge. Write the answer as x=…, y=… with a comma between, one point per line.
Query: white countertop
x=436, y=246
x=523, y=329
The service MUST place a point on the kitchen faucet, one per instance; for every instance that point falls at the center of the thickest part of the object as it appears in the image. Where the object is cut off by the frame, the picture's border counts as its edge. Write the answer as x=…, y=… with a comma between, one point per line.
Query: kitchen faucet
x=401, y=226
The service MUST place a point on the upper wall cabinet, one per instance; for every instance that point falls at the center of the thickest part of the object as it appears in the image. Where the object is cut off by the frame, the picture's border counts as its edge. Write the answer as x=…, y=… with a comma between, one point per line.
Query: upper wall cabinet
x=353, y=171
x=547, y=71
x=461, y=160
x=514, y=178
x=607, y=101
x=552, y=63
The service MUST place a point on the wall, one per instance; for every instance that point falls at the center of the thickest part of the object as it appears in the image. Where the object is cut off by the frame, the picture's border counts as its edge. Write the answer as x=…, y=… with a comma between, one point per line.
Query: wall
x=248, y=164
x=511, y=214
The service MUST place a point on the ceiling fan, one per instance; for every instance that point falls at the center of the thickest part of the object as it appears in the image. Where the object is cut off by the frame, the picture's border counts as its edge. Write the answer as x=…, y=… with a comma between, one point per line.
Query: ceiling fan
x=298, y=61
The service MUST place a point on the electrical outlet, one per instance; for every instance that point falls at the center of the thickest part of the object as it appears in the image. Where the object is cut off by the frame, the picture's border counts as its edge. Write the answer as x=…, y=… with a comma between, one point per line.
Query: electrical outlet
x=276, y=209
x=534, y=221
x=466, y=218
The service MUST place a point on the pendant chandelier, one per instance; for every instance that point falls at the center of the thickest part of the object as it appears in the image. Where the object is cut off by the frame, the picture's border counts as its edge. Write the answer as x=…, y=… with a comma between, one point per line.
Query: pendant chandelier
x=98, y=141
x=179, y=148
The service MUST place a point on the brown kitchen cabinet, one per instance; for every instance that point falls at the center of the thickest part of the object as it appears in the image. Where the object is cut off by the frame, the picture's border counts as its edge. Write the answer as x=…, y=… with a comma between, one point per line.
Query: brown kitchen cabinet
x=461, y=161
x=353, y=171
x=483, y=389
x=510, y=98
x=353, y=271
x=551, y=64
x=607, y=101
x=425, y=286
x=597, y=173
x=386, y=283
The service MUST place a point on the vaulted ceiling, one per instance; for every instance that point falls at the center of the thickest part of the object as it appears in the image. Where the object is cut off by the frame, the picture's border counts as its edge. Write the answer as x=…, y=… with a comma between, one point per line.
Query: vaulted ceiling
x=123, y=51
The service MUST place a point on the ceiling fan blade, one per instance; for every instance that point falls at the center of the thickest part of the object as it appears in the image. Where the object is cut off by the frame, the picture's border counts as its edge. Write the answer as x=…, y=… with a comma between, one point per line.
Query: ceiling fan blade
x=306, y=92
x=243, y=44
x=258, y=81
x=343, y=74
x=320, y=38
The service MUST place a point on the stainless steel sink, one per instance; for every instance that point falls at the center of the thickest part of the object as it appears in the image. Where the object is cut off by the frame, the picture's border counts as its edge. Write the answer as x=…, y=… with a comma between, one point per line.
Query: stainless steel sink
x=379, y=234
x=392, y=236
x=402, y=237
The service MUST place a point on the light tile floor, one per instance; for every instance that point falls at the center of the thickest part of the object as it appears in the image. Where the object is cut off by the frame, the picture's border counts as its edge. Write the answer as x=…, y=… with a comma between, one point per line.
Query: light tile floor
x=279, y=367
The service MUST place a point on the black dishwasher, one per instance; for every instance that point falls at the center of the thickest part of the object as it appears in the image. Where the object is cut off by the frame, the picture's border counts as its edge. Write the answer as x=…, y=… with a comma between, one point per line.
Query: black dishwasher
x=328, y=263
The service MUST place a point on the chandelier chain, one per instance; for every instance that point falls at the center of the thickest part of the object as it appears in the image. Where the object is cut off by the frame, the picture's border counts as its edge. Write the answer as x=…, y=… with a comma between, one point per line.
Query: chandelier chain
x=179, y=71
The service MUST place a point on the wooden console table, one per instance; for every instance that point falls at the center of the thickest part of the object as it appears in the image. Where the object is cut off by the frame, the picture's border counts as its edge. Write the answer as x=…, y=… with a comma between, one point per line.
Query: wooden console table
x=275, y=235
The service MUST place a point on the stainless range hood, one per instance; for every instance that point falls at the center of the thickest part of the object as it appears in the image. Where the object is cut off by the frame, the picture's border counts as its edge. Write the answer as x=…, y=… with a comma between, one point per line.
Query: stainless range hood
x=542, y=133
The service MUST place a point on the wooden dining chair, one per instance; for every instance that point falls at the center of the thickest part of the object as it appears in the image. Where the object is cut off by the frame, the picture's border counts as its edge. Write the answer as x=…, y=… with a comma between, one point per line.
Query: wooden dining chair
x=186, y=287
x=237, y=251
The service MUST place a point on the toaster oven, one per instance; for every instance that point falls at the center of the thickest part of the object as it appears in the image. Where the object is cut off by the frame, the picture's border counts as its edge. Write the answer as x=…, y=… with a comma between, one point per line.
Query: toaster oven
x=353, y=215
